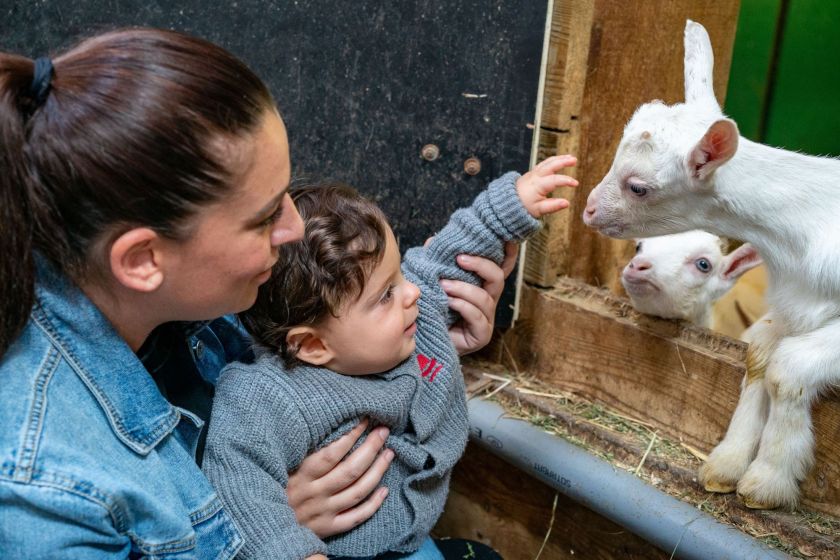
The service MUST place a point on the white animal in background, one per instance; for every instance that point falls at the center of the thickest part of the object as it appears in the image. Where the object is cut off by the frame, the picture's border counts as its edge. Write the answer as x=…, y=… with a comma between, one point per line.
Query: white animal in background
x=684, y=167
x=680, y=276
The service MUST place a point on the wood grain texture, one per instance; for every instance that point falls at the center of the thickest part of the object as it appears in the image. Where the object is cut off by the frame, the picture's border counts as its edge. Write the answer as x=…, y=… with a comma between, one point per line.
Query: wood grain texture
x=617, y=55
x=566, y=68
x=496, y=503
x=683, y=379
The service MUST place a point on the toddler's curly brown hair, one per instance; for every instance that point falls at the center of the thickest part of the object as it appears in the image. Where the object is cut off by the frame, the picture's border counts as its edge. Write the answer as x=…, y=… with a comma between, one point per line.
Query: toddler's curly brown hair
x=344, y=240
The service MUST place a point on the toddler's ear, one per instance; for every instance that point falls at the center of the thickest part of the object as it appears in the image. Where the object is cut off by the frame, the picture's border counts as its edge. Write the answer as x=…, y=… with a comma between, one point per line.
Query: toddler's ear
x=308, y=346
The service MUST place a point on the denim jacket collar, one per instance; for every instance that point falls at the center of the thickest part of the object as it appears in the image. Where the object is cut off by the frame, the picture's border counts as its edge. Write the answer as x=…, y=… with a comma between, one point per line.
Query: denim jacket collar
x=136, y=411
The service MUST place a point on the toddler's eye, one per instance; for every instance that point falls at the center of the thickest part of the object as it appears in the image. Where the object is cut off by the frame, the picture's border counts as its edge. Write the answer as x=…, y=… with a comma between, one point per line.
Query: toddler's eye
x=389, y=293
x=703, y=265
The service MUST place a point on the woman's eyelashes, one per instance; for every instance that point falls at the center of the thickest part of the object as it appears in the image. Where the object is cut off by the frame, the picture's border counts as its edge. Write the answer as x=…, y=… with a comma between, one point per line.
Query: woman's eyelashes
x=272, y=219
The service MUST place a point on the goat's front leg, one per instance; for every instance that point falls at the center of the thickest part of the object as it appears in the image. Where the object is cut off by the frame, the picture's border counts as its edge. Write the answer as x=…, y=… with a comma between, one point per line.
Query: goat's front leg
x=799, y=369
x=730, y=459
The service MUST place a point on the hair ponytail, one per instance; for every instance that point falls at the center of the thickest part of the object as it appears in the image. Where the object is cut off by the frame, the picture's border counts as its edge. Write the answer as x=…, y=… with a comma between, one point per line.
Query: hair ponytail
x=131, y=129
x=17, y=276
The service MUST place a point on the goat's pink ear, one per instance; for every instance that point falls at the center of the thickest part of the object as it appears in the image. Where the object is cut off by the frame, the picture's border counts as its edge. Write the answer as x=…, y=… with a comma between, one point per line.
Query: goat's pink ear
x=716, y=147
x=739, y=261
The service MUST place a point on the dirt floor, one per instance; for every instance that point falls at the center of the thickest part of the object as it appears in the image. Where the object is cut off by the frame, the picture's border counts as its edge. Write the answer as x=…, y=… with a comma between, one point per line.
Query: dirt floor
x=637, y=447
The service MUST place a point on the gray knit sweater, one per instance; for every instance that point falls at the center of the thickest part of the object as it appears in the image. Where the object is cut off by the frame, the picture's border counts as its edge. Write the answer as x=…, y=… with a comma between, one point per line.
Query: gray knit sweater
x=266, y=419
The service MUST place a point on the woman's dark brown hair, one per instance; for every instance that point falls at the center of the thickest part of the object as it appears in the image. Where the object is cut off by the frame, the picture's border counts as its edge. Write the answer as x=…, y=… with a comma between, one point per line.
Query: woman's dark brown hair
x=344, y=240
x=130, y=133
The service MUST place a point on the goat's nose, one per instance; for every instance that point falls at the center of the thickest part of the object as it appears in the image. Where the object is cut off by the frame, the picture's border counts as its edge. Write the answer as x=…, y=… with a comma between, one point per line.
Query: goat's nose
x=640, y=264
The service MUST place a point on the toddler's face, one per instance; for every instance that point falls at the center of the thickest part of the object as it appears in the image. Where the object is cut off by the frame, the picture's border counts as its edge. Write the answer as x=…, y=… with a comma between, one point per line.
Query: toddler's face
x=376, y=332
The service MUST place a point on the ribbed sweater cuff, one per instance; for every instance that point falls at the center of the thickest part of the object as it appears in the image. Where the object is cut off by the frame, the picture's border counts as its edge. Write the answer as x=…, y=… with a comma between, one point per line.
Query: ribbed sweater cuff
x=504, y=203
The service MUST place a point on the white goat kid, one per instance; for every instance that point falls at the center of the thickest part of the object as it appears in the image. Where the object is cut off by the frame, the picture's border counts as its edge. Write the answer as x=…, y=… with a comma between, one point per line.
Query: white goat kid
x=680, y=276
x=684, y=167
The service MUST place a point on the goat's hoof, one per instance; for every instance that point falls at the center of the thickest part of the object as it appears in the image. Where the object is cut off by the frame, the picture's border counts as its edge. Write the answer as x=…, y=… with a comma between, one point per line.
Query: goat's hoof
x=756, y=504
x=766, y=487
x=719, y=486
x=715, y=480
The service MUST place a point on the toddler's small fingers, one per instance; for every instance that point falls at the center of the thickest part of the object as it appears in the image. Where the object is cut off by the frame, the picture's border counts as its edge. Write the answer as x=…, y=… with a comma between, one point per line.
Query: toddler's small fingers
x=548, y=184
x=554, y=163
x=551, y=205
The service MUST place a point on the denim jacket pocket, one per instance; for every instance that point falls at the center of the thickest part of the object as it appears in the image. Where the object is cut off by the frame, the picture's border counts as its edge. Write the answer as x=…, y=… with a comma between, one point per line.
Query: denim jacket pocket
x=213, y=536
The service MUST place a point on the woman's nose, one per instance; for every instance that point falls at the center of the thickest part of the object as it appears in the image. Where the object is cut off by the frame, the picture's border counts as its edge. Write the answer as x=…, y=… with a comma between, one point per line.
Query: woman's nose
x=289, y=227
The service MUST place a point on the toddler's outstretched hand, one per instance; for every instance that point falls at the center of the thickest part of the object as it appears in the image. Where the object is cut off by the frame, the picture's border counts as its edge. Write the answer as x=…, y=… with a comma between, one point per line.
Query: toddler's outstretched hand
x=535, y=186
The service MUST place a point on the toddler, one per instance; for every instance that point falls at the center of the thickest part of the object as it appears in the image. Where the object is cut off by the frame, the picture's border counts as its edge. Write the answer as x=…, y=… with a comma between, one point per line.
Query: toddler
x=346, y=332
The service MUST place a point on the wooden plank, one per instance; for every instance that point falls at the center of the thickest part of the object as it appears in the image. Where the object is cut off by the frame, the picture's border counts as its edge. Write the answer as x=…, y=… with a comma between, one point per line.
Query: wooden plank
x=565, y=77
x=682, y=379
x=629, y=56
x=493, y=502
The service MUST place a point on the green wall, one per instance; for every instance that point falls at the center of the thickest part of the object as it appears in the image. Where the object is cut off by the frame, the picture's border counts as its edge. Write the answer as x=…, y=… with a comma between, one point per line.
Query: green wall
x=784, y=86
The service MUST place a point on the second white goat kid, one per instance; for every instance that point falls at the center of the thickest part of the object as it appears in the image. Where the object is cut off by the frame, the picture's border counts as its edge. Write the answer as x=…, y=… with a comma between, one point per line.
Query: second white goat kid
x=680, y=276
x=684, y=167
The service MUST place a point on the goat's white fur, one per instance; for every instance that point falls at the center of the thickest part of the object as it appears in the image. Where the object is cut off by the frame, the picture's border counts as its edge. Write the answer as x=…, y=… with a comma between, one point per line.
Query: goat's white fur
x=699, y=174
x=680, y=276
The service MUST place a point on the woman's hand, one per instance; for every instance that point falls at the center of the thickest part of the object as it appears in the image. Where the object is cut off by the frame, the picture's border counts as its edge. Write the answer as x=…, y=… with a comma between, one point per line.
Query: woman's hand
x=477, y=305
x=331, y=493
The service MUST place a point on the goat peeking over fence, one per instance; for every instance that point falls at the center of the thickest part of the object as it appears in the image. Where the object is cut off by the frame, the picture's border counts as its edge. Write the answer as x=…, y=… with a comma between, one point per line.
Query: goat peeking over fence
x=680, y=276
x=685, y=167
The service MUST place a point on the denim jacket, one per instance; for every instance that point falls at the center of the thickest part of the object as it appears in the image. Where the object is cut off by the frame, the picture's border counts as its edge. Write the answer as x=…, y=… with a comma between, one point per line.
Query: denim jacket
x=94, y=461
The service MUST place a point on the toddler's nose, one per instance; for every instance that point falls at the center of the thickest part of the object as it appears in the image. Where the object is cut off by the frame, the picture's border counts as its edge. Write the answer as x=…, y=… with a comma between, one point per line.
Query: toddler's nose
x=412, y=294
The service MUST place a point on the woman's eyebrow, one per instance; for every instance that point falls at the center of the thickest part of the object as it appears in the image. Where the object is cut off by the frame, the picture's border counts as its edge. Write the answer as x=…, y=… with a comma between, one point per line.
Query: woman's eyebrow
x=272, y=204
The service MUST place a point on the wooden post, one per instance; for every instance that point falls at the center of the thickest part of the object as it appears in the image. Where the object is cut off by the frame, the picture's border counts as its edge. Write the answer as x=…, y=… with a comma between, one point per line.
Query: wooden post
x=605, y=59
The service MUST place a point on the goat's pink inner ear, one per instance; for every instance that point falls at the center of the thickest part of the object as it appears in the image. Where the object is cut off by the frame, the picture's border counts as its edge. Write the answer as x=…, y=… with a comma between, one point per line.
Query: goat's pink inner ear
x=716, y=147
x=741, y=260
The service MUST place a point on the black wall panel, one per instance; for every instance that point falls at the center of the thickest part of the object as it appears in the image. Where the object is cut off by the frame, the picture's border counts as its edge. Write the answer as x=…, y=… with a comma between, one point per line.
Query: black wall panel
x=362, y=85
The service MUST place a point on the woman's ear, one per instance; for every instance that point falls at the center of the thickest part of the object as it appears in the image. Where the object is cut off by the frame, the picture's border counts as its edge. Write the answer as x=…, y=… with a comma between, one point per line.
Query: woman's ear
x=310, y=346
x=136, y=259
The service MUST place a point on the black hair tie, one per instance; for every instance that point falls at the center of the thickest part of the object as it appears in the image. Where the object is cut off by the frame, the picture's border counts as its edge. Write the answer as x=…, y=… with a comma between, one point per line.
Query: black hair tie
x=41, y=78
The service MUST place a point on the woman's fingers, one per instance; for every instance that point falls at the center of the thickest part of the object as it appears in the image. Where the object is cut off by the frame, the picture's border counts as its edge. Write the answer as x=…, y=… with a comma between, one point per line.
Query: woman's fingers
x=325, y=490
x=324, y=460
x=359, y=514
x=357, y=464
x=492, y=276
x=509, y=262
x=361, y=489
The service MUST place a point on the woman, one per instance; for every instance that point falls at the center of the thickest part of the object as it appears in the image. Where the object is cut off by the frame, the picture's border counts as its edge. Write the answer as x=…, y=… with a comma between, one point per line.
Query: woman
x=143, y=197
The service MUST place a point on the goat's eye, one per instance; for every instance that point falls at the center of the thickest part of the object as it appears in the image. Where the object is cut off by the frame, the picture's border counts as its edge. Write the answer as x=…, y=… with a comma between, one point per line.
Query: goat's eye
x=638, y=190
x=703, y=265
x=638, y=247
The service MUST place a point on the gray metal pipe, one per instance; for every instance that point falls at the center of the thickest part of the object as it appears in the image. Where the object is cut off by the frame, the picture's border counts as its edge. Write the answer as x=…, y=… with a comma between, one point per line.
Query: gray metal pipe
x=616, y=494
